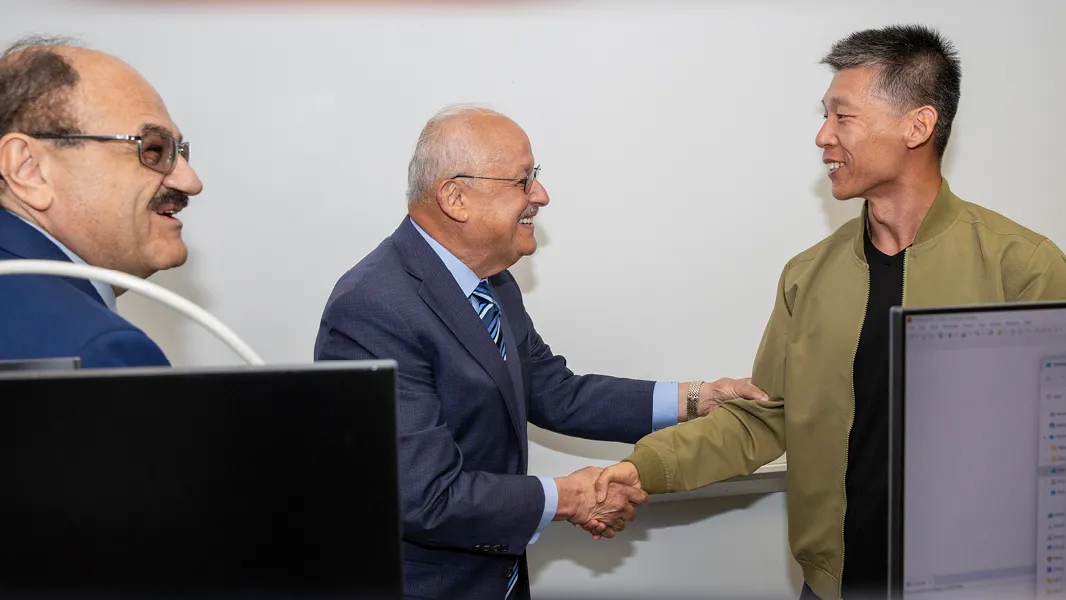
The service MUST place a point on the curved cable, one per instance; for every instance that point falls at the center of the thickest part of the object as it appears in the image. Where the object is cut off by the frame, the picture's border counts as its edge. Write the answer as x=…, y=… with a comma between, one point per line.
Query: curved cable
x=136, y=285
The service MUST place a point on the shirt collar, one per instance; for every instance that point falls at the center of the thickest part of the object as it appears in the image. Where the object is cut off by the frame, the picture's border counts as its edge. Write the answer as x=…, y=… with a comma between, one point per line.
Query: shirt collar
x=464, y=276
x=107, y=293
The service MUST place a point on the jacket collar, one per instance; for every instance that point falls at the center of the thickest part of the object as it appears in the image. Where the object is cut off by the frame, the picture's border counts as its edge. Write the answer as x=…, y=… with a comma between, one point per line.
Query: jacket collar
x=946, y=206
x=23, y=241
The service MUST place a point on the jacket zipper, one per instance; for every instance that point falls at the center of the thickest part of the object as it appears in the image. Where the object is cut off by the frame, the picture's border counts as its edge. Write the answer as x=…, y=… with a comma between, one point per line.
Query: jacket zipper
x=847, y=439
x=903, y=300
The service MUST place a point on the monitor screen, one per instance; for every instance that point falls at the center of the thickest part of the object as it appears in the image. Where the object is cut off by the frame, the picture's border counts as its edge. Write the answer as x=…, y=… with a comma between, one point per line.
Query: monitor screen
x=257, y=482
x=983, y=444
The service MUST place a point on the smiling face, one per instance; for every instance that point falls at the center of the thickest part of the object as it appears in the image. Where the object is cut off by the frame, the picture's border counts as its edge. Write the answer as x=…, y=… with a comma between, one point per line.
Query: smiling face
x=864, y=138
x=497, y=214
x=108, y=207
x=502, y=212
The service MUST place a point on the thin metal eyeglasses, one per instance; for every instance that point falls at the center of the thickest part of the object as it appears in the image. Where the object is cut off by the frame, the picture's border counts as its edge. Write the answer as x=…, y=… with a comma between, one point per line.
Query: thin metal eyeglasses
x=527, y=181
x=156, y=150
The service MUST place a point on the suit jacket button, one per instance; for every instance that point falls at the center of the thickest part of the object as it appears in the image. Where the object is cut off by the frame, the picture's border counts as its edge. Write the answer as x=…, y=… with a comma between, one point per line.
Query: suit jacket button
x=508, y=572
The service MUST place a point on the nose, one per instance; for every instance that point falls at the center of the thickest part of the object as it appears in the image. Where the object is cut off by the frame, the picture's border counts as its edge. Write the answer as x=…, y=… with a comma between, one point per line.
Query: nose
x=184, y=178
x=826, y=135
x=538, y=195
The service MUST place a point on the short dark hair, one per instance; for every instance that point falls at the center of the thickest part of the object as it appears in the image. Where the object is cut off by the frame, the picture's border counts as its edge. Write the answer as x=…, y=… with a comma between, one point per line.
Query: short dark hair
x=918, y=67
x=35, y=87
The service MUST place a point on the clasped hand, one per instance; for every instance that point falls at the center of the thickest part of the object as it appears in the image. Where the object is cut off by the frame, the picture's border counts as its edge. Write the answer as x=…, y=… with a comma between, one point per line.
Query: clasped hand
x=605, y=514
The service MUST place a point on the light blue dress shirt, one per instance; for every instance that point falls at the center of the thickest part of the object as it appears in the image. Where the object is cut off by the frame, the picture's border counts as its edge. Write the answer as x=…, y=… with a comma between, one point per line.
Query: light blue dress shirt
x=106, y=291
x=664, y=395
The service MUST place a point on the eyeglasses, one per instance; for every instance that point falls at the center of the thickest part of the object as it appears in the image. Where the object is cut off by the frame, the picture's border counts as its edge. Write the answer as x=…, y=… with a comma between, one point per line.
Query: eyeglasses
x=527, y=181
x=156, y=150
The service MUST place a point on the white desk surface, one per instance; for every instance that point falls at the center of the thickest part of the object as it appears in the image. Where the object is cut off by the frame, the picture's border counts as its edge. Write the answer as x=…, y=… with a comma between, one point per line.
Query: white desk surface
x=767, y=479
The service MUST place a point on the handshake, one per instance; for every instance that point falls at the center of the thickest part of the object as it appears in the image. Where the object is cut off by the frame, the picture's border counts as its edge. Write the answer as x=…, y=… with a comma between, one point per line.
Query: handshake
x=600, y=501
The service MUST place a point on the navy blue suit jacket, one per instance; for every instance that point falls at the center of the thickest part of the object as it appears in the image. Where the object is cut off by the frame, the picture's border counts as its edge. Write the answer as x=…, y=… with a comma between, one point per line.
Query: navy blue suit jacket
x=44, y=316
x=468, y=507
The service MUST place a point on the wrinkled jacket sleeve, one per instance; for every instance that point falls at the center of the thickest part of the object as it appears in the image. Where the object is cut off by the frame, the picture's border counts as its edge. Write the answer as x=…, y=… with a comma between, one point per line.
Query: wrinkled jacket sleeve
x=739, y=437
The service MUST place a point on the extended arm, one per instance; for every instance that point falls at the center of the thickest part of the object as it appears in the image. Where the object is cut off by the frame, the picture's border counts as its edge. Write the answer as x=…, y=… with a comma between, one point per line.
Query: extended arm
x=739, y=437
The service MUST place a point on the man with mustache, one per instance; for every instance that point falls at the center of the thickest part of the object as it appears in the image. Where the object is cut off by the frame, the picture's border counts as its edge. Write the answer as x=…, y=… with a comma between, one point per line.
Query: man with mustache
x=92, y=171
x=436, y=297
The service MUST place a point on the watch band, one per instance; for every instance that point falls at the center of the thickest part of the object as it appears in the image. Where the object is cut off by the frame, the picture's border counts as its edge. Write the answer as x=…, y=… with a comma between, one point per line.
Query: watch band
x=694, y=399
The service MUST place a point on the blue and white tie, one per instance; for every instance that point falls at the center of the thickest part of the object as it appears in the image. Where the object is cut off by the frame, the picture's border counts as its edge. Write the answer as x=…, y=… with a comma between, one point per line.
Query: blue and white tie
x=513, y=580
x=489, y=312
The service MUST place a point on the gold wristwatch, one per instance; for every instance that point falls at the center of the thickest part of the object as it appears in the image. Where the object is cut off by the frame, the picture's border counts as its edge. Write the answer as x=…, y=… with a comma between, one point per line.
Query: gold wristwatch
x=694, y=399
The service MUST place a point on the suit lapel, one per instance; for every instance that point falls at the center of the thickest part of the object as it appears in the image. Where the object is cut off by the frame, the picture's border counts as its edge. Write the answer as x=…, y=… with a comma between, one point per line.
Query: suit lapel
x=514, y=369
x=440, y=291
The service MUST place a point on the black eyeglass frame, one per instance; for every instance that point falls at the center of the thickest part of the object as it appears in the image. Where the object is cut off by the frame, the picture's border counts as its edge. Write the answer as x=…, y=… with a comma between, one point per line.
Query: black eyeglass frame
x=527, y=181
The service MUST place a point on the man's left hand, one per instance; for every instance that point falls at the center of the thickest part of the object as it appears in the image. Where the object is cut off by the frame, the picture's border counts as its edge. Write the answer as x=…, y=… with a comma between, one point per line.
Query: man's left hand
x=714, y=393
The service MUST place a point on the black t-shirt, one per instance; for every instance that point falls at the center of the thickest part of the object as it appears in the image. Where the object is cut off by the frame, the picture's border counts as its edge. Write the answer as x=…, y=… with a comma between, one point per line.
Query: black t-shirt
x=866, y=482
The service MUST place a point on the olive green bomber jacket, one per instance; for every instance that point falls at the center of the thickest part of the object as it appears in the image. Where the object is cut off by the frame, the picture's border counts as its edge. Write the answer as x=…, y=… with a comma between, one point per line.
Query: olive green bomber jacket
x=962, y=254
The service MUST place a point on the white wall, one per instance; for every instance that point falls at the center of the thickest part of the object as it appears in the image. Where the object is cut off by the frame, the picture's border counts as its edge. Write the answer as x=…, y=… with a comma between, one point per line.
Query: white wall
x=677, y=141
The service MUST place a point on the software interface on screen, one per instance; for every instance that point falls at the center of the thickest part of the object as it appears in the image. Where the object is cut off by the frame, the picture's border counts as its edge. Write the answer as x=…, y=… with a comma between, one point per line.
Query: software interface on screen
x=984, y=487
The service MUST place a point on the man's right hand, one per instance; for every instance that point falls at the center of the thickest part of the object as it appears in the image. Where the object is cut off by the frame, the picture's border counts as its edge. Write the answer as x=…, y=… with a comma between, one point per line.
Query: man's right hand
x=624, y=473
x=607, y=516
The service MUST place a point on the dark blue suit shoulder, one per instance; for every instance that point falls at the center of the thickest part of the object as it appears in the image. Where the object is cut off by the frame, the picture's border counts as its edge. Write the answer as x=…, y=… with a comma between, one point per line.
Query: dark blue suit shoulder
x=372, y=280
x=44, y=316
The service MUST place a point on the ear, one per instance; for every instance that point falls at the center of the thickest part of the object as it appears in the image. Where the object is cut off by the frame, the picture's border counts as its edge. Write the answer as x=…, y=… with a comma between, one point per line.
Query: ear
x=920, y=126
x=452, y=201
x=20, y=166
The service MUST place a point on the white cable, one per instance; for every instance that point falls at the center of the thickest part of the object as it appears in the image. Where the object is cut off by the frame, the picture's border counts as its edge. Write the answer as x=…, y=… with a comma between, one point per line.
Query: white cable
x=139, y=286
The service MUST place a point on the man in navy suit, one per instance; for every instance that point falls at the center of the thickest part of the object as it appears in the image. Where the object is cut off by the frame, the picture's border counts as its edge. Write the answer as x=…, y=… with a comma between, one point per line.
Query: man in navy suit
x=92, y=171
x=436, y=297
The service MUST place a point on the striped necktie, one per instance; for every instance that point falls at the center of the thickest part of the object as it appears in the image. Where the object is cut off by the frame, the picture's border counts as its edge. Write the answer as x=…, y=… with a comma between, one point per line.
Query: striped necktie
x=489, y=312
x=511, y=581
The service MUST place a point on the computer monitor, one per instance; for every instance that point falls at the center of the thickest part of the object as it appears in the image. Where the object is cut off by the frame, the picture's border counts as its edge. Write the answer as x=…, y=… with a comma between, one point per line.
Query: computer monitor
x=41, y=364
x=977, y=446
x=249, y=482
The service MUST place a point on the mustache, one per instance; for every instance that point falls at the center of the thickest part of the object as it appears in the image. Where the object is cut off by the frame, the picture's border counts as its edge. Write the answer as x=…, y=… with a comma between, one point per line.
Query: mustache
x=530, y=212
x=169, y=199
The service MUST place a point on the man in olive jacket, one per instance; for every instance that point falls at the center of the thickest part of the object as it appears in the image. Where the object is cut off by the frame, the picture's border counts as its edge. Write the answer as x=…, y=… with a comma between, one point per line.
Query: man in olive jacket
x=824, y=353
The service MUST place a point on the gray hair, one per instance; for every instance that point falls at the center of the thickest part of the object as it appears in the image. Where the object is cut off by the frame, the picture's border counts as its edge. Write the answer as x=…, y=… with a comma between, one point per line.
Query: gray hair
x=41, y=42
x=918, y=67
x=440, y=154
